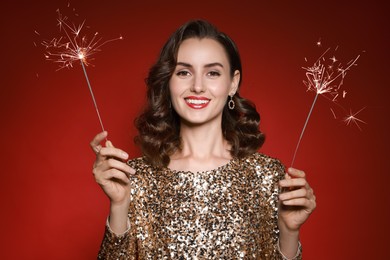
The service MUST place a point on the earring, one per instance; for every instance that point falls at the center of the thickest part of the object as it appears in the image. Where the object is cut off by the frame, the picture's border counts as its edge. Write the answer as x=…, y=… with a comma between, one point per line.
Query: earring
x=231, y=103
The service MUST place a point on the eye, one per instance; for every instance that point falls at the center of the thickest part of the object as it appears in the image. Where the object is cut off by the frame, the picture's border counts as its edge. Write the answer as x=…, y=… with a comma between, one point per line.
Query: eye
x=183, y=73
x=214, y=74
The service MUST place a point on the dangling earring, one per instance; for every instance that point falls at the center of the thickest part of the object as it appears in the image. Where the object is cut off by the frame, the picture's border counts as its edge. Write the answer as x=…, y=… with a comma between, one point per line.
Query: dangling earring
x=231, y=103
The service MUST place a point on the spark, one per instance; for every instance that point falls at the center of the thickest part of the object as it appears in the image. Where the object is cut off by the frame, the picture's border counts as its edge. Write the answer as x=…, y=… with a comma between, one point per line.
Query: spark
x=319, y=43
x=71, y=46
x=351, y=118
x=326, y=81
x=333, y=113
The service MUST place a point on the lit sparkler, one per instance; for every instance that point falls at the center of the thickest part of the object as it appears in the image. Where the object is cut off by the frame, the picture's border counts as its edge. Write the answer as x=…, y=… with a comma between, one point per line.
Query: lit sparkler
x=73, y=47
x=326, y=80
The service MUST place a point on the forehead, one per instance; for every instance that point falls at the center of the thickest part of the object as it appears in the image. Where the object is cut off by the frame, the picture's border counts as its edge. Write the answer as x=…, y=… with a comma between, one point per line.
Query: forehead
x=204, y=50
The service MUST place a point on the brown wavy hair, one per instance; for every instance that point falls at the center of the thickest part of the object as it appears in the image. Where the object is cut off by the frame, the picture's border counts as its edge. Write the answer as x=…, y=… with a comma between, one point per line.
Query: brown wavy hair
x=159, y=124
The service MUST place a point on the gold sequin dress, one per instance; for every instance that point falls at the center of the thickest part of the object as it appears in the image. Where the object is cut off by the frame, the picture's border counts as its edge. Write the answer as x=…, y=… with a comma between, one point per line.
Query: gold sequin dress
x=226, y=213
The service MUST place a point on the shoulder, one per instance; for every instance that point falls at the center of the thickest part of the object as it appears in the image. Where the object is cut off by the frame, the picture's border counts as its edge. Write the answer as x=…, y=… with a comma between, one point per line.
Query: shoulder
x=141, y=167
x=144, y=170
x=138, y=163
x=260, y=159
x=142, y=176
x=264, y=165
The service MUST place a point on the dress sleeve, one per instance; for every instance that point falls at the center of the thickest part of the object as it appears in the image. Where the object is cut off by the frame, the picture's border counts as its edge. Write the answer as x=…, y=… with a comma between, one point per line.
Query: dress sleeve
x=116, y=246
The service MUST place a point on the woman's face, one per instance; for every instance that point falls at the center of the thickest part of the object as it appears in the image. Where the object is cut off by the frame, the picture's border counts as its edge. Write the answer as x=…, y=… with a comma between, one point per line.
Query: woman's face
x=201, y=82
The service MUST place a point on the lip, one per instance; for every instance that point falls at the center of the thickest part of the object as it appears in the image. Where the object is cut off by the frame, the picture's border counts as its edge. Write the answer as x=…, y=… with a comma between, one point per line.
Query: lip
x=197, y=102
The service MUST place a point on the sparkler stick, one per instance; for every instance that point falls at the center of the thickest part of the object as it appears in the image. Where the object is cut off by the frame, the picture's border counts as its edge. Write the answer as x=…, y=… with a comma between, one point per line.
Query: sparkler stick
x=321, y=78
x=92, y=95
x=303, y=129
x=71, y=47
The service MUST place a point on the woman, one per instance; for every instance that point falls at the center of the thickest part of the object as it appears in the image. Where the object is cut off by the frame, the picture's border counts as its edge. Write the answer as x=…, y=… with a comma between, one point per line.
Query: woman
x=201, y=189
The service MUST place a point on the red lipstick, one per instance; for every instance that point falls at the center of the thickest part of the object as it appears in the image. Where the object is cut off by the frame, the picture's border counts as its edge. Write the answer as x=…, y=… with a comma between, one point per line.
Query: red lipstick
x=196, y=102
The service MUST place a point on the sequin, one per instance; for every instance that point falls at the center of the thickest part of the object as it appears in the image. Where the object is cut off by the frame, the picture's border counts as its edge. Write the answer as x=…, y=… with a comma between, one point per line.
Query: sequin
x=226, y=213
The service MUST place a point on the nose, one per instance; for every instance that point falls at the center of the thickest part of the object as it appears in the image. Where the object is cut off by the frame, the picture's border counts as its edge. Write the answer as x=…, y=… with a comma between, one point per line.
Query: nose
x=198, y=85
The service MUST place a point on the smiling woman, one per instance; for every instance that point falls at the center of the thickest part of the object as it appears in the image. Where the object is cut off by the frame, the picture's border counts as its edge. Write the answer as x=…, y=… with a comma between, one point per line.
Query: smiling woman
x=160, y=126
x=199, y=88
x=201, y=188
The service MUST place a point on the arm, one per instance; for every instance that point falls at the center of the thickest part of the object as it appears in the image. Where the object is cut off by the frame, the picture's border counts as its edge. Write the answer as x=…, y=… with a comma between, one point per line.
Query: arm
x=112, y=174
x=295, y=206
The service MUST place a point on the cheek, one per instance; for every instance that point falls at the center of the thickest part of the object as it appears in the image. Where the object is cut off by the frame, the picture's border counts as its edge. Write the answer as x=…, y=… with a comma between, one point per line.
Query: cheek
x=220, y=89
x=172, y=88
x=176, y=87
x=175, y=93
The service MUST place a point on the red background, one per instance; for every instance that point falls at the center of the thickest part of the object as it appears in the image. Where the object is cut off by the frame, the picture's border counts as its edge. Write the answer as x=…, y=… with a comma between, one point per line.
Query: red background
x=51, y=207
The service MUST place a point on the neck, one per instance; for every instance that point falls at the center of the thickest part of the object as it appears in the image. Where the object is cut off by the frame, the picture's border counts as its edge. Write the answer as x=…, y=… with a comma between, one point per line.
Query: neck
x=203, y=148
x=202, y=141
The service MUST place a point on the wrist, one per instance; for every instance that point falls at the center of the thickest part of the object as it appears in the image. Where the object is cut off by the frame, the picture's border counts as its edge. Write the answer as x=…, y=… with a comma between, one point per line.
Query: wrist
x=283, y=228
x=118, y=218
x=119, y=204
x=118, y=234
x=284, y=257
x=119, y=209
x=288, y=243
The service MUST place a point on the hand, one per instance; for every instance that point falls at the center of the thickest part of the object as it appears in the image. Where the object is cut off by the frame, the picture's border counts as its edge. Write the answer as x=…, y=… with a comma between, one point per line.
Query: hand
x=110, y=170
x=297, y=201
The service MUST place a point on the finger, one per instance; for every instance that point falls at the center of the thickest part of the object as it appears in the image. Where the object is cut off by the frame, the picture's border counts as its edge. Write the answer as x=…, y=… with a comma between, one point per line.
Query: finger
x=112, y=163
x=119, y=176
x=113, y=152
x=112, y=174
x=293, y=183
x=310, y=192
x=308, y=205
x=299, y=193
x=95, y=143
x=109, y=144
x=299, y=202
x=295, y=173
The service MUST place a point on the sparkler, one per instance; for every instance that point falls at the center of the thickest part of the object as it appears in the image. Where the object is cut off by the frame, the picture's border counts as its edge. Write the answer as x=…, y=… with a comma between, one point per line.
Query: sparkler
x=326, y=77
x=73, y=47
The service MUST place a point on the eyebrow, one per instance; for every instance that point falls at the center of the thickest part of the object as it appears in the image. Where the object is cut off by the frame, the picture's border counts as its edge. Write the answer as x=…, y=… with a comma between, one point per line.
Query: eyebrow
x=184, y=64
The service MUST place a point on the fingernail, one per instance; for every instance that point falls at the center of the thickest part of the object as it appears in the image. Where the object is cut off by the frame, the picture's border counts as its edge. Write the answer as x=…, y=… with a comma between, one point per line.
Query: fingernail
x=125, y=155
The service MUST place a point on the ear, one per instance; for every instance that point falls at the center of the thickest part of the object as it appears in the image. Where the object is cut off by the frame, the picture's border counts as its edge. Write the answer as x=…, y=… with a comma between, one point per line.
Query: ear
x=235, y=82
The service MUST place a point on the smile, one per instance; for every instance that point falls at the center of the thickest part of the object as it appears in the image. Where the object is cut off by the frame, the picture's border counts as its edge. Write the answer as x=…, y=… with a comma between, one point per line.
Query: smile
x=197, y=102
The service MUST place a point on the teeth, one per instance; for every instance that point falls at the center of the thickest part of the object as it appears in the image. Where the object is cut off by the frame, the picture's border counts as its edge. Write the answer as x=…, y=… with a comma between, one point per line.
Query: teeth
x=197, y=101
